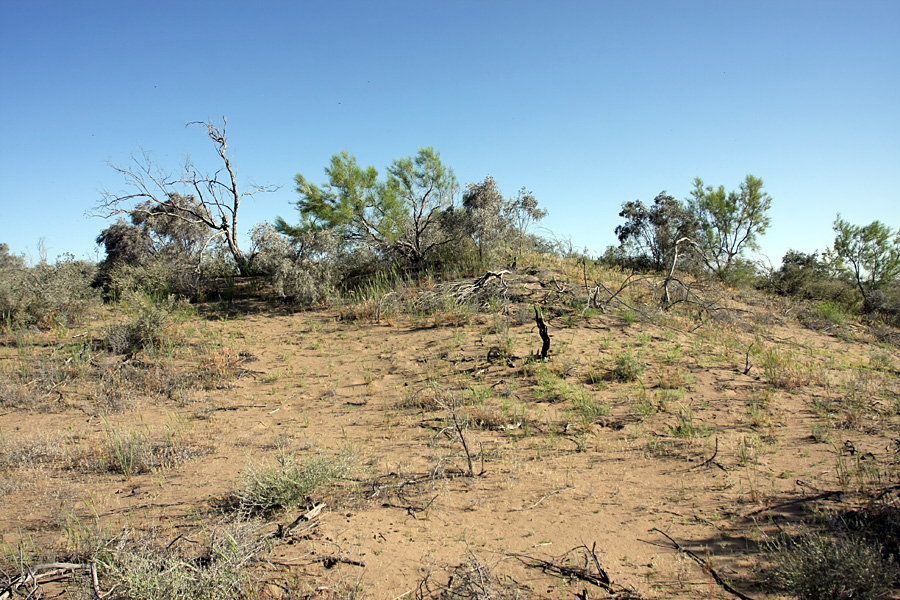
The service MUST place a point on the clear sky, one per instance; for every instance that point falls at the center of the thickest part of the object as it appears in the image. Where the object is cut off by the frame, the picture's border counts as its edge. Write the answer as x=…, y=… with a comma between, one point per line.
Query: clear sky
x=587, y=104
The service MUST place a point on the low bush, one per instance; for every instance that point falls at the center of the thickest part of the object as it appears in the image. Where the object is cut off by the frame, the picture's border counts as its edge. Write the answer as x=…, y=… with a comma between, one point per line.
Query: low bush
x=627, y=368
x=145, y=329
x=288, y=484
x=824, y=565
x=303, y=270
x=46, y=295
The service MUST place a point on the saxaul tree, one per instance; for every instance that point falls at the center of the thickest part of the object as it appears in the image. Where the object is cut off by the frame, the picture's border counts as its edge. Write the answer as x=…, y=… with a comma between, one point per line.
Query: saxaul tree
x=399, y=217
x=650, y=234
x=870, y=254
x=197, y=198
x=729, y=222
x=496, y=223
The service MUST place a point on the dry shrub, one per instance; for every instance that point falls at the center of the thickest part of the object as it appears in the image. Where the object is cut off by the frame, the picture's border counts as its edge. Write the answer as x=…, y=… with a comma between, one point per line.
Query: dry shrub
x=302, y=270
x=427, y=399
x=783, y=370
x=34, y=383
x=823, y=565
x=671, y=379
x=362, y=310
x=219, y=369
x=146, y=327
x=46, y=295
x=132, y=452
x=289, y=483
x=627, y=368
x=473, y=580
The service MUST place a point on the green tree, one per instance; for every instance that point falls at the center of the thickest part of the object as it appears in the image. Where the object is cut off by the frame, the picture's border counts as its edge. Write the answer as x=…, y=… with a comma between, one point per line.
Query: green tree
x=425, y=188
x=729, y=222
x=352, y=202
x=484, y=207
x=649, y=235
x=870, y=254
x=400, y=216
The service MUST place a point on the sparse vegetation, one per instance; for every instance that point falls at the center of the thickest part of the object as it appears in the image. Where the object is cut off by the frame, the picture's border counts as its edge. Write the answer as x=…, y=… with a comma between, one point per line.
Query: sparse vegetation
x=169, y=447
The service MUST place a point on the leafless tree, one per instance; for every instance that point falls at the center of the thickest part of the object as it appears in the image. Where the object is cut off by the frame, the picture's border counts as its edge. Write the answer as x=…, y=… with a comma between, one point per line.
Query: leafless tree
x=214, y=199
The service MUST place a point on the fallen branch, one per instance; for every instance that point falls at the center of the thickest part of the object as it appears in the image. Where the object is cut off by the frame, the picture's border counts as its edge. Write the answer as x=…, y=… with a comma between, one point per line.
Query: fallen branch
x=747, y=364
x=705, y=565
x=712, y=459
x=544, y=497
x=330, y=561
x=601, y=579
x=284, y=530
x=410, y=509
x=34, y=577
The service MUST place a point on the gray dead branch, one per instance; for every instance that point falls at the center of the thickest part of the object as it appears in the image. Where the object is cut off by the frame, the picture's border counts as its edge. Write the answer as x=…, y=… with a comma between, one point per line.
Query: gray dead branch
x=478, y=291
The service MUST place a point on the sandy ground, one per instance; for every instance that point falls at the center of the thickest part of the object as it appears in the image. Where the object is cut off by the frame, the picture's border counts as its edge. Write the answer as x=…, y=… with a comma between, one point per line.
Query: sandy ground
x=701, y=447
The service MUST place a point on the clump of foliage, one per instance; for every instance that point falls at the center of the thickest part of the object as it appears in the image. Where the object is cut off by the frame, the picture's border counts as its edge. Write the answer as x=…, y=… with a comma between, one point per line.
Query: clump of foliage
x=496, y=226
x=302, y=266
x=413, y=217
x=44, y=295
x=145, y=328
x=399, y=217
x=809, y=277
x=193, y=200
x=647, y=240
x=710, y=231
x=156, y=251
x=627, y=368
x=870, y=256
x=729, y=222
x=815, y=565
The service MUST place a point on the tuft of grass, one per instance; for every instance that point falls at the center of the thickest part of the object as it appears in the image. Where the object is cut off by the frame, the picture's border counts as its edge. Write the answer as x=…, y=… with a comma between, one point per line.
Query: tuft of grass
x=588, y=409
x=132, y=452
x=627, y=368
x=289, y=483
x=832, y=312
x=688, y=426
x=784, y=370
x=146, y=327
x=629, y=316
x=219, y=369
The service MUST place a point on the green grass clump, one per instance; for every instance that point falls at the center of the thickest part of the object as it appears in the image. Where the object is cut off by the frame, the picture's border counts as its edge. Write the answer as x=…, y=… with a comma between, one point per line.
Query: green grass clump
x=588, y=409
x=289, y=483
x=627, y=368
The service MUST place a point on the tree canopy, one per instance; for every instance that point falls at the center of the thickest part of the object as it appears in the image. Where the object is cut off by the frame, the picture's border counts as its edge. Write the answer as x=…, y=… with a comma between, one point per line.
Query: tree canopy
x=399, y=216
x=215, y=198
x=649, y=234
x=729, y=222
x=869, y=253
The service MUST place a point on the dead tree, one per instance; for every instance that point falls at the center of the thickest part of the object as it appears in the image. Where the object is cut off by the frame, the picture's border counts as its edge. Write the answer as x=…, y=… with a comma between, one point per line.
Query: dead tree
x=542, y=331
x=215, y=199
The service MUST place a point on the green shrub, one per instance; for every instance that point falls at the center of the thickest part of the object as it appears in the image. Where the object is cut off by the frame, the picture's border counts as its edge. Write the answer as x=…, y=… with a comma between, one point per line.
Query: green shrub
x=145, y=329
x=302, y=270
x=157, y=276
x=833, y=312
x=587, y=408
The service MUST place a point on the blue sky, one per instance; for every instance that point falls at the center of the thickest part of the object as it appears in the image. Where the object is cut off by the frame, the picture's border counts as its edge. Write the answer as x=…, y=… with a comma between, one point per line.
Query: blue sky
x=587, y=104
